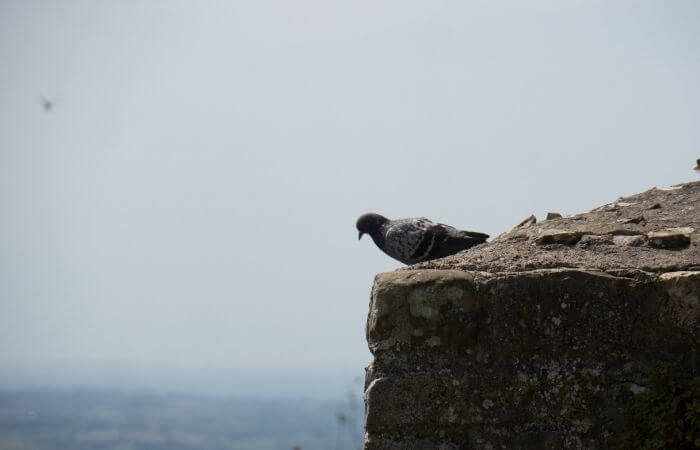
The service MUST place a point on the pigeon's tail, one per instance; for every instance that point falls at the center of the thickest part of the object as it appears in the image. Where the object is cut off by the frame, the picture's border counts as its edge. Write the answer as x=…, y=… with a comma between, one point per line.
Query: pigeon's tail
x=454, y=243
x=476, y=235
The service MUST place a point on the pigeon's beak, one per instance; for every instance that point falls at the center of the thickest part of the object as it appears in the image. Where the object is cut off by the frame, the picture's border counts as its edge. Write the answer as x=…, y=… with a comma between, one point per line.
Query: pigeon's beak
x=360, y=236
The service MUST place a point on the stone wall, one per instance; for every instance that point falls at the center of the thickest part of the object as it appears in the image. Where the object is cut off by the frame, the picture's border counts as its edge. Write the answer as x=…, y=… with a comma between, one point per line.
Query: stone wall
x=542, y=338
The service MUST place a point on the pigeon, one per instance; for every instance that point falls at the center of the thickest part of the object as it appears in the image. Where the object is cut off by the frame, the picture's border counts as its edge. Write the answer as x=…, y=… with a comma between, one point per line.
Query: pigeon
x=697, y=165
x=416, y=239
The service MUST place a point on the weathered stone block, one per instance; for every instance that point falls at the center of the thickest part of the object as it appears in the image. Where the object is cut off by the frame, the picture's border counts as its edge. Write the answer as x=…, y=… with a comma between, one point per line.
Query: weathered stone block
x=435, y=309
x=670, y=238
x=555, y=236
x=536, y=346
x=683, y=306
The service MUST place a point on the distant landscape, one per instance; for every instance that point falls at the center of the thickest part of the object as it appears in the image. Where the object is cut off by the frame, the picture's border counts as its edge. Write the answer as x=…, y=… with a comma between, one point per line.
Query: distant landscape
x=92, y=416
x=113, y=420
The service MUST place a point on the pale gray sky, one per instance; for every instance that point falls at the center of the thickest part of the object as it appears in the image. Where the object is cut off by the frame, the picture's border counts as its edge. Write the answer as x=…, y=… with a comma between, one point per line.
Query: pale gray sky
x=191, y=199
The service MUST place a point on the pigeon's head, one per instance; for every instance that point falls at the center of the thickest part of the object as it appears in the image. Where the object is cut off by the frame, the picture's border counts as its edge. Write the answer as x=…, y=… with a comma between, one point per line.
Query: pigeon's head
x=369, y=223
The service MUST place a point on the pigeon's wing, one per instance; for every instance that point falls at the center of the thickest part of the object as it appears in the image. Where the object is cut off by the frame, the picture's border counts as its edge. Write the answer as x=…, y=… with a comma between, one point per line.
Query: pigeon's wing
x=405, y=237
x=452, y=231
x=415, y=240
x=449, y=240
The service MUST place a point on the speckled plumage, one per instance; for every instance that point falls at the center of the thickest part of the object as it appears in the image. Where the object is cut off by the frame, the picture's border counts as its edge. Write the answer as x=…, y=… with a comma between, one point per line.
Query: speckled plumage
x=416, y=239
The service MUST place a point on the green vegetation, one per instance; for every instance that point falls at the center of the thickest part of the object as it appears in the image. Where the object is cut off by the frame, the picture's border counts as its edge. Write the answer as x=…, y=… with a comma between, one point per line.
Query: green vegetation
x=667, y=414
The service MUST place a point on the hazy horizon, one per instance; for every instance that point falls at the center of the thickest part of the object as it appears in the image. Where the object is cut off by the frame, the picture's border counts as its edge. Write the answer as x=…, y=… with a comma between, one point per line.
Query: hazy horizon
x=190, y=199
x=261, y=384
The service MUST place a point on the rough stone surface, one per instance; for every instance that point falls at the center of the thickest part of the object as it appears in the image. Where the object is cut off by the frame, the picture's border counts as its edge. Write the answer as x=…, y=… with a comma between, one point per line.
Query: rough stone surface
x=531, y=220
x=670, y=237
x=555, y=236
x=535, y=343
x=683, y=306
x=518, y=249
